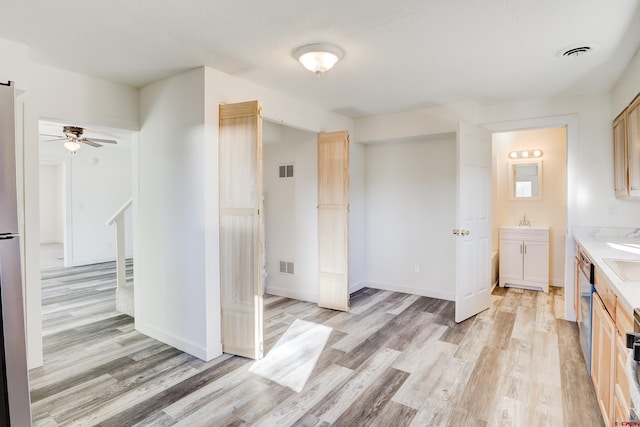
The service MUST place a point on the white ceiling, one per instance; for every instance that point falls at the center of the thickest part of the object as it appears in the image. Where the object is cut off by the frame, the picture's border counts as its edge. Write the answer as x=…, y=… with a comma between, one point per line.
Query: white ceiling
x=400, y=55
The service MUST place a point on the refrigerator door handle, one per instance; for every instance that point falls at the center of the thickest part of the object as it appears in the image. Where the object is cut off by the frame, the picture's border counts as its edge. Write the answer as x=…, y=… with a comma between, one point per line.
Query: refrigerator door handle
x=8, y=236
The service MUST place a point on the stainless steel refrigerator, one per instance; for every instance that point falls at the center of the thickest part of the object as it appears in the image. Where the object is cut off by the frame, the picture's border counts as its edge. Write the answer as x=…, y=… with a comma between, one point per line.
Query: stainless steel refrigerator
x=15, y=407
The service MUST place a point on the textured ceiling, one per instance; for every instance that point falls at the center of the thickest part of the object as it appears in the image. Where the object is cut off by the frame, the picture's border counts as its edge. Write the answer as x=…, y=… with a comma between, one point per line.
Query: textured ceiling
x=399, y=55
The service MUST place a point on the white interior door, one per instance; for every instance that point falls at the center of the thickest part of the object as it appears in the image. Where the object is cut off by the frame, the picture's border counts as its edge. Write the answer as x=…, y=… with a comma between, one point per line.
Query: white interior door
x=333, y=220
x=473, y=237
x=240, y=148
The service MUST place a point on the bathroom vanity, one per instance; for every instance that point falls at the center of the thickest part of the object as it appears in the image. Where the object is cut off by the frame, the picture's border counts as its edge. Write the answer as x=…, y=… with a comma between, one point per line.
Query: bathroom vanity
x=524, y=257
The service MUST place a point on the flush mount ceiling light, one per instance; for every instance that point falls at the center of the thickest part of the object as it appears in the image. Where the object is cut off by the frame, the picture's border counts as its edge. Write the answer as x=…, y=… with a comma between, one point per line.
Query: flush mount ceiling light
x=525, y=154
x=318, y=57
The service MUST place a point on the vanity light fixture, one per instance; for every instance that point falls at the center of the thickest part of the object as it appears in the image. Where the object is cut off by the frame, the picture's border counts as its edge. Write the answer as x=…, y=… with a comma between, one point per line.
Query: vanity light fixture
x=525, y=154
x=318, y=57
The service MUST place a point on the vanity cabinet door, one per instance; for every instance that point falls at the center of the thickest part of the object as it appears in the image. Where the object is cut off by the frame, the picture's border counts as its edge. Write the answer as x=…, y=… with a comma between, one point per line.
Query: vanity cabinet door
x=536, y=261
x=510, y=260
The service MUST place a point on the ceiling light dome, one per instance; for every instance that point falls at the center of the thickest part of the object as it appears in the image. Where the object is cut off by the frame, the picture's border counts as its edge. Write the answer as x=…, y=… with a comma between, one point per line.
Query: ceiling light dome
x=72, y=146
x=318, y=57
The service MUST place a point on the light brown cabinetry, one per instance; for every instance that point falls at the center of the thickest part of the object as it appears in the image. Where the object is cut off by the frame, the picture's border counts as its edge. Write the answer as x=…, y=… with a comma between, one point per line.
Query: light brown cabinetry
x=626, y=152
x=621, y=394
x=603, y=368
x=610, y=322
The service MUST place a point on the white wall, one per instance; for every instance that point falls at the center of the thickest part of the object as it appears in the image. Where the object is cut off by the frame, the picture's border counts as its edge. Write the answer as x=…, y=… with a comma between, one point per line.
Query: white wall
x=291, y=215
x=51, y=207
x=549, y=211
x=170, y=301
x=410, y=193
x=357, y=216
x=14, y=60
x=627, y=86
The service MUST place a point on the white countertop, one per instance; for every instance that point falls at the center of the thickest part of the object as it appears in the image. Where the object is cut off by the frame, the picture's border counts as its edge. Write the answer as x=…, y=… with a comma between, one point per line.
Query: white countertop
x=523, y=228
x=600, y=248
x=604, y=243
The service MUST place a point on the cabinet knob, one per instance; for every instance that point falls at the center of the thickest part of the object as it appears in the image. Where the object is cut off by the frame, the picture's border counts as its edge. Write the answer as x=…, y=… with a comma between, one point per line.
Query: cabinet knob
x=456, y=232
x=464, y=232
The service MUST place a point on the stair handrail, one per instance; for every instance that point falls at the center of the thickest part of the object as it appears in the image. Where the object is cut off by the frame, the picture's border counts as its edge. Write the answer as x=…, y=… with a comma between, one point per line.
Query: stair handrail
x=120, y=212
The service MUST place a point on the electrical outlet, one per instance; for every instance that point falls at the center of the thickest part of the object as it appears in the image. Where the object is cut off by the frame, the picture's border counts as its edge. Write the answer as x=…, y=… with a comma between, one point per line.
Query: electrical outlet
x=416, y=268
x=613, y=209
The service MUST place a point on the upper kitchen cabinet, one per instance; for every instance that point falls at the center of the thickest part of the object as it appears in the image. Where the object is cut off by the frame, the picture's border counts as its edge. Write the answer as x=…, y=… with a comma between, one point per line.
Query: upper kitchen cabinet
x=626, y=152
x=620, y=163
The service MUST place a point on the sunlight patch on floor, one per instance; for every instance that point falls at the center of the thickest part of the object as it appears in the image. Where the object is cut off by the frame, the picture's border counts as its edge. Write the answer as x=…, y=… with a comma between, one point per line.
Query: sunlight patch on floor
x=294, y=356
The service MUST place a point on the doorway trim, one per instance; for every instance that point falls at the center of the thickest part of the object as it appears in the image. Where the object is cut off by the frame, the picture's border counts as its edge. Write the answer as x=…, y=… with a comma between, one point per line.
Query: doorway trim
x=570, y=121
x=67, y=223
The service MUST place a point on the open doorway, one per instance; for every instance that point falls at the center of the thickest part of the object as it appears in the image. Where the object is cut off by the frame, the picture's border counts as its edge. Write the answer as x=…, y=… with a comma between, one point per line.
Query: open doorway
x=52, y=213
x=290, y=191
x=79, y=192
x=544, y=207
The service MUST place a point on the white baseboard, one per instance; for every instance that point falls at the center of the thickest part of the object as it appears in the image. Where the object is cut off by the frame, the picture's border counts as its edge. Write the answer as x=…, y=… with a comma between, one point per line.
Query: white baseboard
x=394, y=287
x=173, y=341
x=294, y=294
x=306, y=296
x=81, y=263
x=355, y=287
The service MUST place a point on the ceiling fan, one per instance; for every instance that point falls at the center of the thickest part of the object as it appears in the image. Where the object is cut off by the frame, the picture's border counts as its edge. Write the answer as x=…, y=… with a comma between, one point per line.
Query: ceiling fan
x=73, y=137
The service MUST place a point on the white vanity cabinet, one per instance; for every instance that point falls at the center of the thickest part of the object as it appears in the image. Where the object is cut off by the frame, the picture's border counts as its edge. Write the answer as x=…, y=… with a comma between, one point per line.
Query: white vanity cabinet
x=524, y=257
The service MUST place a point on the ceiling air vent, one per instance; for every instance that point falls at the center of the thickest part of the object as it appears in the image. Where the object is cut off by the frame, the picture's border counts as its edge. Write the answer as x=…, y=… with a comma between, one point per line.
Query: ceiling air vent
x=574, y=52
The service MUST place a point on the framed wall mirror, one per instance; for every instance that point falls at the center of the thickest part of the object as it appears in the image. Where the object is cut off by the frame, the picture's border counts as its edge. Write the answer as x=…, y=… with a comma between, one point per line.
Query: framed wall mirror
x=525, y=179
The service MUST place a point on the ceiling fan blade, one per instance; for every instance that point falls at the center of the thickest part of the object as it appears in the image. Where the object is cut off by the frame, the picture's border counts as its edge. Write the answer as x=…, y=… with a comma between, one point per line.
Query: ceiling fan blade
x=52, y=136
x=57, y=139
x=105, y=141
x=89, y=142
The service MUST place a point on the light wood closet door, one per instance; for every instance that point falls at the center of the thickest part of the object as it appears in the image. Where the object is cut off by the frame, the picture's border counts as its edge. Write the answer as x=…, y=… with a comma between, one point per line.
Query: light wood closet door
x=333, y=220
x=240, y=146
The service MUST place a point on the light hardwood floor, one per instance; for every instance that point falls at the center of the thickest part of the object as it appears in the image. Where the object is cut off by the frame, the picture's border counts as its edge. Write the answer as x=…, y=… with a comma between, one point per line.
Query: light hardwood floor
x=394, y=360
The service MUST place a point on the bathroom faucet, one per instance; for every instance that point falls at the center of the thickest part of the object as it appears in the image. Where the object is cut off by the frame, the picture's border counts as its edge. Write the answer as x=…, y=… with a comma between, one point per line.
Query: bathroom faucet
x=524, y=222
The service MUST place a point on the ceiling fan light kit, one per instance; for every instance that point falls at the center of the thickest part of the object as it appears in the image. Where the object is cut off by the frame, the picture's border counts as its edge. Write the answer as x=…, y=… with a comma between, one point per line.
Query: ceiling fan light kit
x=72, y=146
x=318, y=57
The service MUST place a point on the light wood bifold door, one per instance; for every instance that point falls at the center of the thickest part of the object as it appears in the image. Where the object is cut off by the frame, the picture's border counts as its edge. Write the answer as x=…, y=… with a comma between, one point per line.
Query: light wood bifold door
x=240, y=150
x=333, y=220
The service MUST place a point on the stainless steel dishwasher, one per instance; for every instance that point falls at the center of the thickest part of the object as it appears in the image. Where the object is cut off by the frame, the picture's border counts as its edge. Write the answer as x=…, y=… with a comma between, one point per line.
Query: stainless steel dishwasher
x=585, y=266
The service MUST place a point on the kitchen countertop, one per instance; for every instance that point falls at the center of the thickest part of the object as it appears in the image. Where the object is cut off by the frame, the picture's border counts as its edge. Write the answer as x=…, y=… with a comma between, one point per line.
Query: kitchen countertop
x=605, y=243
x=600, y=248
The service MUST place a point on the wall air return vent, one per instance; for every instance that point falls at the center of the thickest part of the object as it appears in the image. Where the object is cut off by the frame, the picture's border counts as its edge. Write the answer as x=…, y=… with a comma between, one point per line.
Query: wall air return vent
x=285, y=171
x=287, y=267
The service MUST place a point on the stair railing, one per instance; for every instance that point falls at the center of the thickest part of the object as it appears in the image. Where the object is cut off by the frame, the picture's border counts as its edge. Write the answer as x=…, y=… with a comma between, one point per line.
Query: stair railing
x=121, y=262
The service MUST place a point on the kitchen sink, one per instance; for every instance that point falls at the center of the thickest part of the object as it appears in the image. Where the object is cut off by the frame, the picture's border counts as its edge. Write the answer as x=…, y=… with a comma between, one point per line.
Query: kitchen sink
x=627, y=270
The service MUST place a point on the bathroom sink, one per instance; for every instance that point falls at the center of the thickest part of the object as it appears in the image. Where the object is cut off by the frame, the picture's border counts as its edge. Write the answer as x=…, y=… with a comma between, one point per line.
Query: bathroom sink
x=627, y=270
